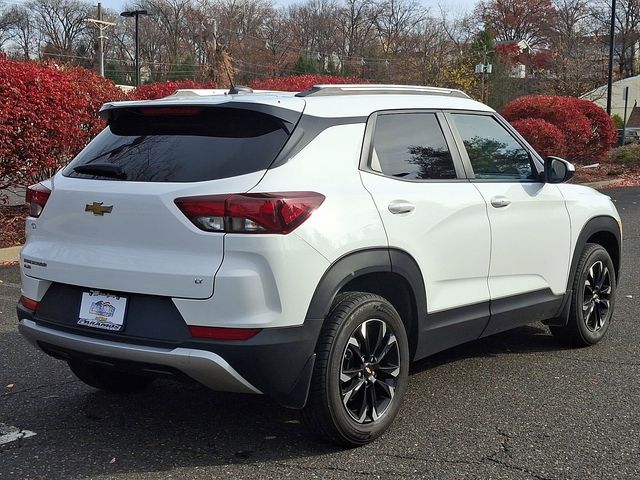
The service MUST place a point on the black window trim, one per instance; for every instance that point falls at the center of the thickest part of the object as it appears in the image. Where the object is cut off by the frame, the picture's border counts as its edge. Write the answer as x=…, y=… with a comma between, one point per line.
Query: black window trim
x=367, y=146
x=538, y=162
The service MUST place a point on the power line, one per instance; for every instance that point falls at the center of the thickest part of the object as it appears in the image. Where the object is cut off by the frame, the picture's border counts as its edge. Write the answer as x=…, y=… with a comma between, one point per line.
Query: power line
x=311, y=52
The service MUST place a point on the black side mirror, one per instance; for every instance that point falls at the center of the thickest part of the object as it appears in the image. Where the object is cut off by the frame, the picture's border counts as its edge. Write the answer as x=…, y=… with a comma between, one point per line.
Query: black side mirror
x=557, y=170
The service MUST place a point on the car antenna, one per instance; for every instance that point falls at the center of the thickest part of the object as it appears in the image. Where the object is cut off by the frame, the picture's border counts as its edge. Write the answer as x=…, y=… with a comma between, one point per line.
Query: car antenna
x=226, y=69
x=234, y=90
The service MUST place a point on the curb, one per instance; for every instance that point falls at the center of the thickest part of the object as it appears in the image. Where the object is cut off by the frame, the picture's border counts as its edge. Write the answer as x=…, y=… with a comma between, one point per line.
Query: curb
x=9, y=256
x=603, y=183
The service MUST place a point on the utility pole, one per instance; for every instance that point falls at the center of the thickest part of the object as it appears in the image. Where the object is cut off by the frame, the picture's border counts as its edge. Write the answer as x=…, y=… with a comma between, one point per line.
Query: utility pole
x=102, y=26
x=484, y=69
x=612, y=41
x=101, y=42
x=625, y=95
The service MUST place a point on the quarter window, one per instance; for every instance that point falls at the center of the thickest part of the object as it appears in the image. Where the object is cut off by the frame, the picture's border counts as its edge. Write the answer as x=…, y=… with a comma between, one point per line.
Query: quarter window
x=494, y=153
x=411, y=146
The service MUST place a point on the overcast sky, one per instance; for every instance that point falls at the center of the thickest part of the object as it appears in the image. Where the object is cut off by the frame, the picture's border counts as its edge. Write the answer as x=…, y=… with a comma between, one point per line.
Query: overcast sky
x=454, y=6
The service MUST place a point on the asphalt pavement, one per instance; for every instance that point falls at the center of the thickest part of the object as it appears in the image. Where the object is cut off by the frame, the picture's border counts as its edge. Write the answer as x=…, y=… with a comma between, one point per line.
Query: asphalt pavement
x=513, y=406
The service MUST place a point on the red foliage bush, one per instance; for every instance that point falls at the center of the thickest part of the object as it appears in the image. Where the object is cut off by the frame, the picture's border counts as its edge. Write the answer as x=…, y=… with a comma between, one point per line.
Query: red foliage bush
x=545, y=137
x=603, y=129
x=48, y=115
x=299, y=83
x=152, y=91
x=587, y=133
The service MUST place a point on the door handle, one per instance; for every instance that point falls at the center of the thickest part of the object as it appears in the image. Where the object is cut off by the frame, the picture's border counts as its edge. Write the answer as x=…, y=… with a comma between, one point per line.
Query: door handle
x=500, y=201
x=401, y=206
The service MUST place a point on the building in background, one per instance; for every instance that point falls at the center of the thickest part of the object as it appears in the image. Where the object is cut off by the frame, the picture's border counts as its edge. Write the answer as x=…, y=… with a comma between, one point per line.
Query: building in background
x=599, y=97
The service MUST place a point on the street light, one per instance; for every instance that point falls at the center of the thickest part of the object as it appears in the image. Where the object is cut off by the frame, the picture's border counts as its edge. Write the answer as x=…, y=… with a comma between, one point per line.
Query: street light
x=129, y=14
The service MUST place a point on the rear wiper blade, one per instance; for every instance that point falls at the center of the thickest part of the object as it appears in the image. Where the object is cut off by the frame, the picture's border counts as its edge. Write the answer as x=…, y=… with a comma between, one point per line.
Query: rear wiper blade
x=101, y=169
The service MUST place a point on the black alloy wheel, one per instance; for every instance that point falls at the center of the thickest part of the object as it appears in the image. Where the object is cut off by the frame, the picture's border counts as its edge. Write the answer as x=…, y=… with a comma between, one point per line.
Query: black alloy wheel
x=592, y=300
x=361, y=370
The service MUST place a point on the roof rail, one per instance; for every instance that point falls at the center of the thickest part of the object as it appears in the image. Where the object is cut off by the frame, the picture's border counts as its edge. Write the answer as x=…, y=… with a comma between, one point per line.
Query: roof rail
x=198, y=92
x=206, y=92
x=365, y=89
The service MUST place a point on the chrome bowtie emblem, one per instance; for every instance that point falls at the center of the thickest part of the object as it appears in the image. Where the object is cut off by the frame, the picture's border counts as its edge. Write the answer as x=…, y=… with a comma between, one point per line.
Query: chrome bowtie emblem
x=98, y=208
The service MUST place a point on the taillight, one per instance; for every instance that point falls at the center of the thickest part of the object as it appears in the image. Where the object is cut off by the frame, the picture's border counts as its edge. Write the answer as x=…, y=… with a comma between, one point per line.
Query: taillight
x=28, y=303
x=37, y=196
x=250, y=212
x=220, y=333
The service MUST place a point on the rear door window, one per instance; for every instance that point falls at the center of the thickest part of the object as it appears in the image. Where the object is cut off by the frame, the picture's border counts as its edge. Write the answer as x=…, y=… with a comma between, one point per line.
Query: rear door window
x=411, y=146
x=182, y=144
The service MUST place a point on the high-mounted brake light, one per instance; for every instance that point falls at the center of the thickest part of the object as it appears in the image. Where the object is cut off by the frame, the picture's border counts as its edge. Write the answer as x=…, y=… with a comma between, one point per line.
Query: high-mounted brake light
x=220, y=333
x=279, y=212
x=28, y=303
x=37, y=196
x=170, y=111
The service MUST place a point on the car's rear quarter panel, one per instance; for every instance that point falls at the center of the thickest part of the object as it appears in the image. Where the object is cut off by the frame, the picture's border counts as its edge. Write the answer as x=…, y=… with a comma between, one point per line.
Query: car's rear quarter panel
x=348, y=219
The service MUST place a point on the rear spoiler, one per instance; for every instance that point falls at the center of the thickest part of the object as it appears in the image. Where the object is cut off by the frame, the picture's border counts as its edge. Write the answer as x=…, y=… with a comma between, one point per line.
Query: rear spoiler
x=274, y=108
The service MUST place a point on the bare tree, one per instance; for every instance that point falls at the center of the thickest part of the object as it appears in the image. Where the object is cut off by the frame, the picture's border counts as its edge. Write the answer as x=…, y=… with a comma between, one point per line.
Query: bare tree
x=279, y=44
x=627, y=32
x=515, y=20
x=61, y=24
x=580, y=67
x=24, y=32
x=357, y=21
x=8, y=19
x=395, y=22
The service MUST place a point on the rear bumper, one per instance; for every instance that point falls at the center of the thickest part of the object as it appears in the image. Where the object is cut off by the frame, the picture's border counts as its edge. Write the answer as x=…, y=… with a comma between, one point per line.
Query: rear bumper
x=277, y=362
x=207, y=368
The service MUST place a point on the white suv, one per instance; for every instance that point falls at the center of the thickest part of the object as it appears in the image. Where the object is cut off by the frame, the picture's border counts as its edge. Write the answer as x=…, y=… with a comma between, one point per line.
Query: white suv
x=308, y=246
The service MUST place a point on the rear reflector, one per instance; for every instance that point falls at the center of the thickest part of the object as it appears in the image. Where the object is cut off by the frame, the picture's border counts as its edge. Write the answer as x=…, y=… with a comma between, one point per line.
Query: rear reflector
x=279, y=212
x=29, y=304
x=219, y=333
x=37, y=196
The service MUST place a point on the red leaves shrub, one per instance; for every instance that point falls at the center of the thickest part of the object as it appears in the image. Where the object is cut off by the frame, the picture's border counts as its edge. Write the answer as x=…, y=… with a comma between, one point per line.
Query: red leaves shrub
x=558, y=111
x=48, y=115
x=299, y=83
x=587, y=134
x=153, y=91
x=545, y=137
x=94, y=91
x=603, y=129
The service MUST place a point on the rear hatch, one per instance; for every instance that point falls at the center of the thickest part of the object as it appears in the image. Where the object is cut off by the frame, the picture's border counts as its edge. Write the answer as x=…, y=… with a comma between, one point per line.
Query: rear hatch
x=111, y=223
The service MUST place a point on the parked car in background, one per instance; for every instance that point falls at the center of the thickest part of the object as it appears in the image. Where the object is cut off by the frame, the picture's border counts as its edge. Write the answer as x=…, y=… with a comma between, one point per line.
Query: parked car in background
x=631, y=136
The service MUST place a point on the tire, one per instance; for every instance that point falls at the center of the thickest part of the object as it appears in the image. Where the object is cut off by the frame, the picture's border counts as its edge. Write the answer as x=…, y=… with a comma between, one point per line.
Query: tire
x=342, y=381
x=109, y=380
x=592, y=303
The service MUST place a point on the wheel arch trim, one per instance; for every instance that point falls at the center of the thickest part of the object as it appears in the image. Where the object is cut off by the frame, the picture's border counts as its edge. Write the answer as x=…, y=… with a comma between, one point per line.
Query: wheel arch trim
x=362, y=262
x=593, y=226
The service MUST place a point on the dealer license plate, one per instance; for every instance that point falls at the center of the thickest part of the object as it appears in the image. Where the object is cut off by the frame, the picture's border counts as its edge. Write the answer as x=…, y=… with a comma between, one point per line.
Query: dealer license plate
x=102, y=310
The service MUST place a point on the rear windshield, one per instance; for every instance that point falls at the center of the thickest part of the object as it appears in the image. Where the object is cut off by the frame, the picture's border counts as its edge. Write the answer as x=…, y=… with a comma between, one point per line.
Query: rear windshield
x=181, y=144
